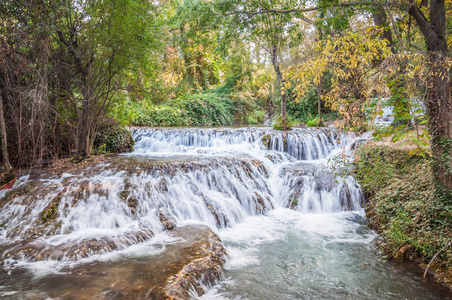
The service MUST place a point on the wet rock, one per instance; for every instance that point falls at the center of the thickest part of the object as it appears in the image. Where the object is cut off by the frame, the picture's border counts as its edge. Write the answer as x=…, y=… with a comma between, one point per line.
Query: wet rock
x=222, y=220
x=167, y=222
x=133, y=203
x=51, y=211
x=202, y=271
x=163, y=186
x=196, y=259
x=260, y=203
x=266, y=138
x=402, y=252
x=34, y=249
x=124, y=194
x=16, y=192
x=293, y=203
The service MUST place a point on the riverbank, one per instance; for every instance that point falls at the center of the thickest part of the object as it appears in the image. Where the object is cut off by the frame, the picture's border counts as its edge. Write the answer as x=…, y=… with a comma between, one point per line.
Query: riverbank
x=412, y=222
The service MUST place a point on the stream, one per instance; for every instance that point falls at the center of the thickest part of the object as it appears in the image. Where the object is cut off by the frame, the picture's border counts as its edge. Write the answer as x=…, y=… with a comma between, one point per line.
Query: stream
x=292, y=228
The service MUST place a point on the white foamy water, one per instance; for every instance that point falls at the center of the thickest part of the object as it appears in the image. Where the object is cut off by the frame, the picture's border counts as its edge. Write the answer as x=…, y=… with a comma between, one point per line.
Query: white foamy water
x=270, y=196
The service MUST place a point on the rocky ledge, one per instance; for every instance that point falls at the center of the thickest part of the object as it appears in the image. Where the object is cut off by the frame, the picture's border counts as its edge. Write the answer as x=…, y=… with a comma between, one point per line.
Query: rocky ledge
x=199, y=272
x=194, y=259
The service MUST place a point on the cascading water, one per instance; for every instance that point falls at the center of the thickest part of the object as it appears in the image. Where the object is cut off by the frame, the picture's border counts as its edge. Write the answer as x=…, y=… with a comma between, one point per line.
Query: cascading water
x=247, y=184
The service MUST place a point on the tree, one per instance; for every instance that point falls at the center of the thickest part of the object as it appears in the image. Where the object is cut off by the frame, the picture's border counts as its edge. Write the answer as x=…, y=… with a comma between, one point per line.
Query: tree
x=439, y=106
x=195, y=37
x=350, y=58
x=272, y=31
x=99, y=43
x=430, y=19
x=24, y=80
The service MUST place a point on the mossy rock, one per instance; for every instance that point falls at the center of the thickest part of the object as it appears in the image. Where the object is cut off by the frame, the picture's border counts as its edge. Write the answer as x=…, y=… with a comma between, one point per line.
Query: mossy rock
x=16, y=192
x=293, y=203
x=124, y=194
x=51, y=211
x=113, y=139
x=266, y=140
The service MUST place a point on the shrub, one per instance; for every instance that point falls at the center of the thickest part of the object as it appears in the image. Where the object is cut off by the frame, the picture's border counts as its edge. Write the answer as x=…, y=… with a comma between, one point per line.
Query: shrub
x=279, y=126
x=161, y=115
x=113, y=139
x=256, y=117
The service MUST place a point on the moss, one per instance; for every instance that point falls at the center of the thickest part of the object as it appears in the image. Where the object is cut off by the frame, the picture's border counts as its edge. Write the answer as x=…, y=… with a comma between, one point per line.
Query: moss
x=285, y=144
x=51, y=211
x=403, y=207
x=293, y=203
x=280, y=125
x=266, y=138
x=124, y=195
x=315, y=122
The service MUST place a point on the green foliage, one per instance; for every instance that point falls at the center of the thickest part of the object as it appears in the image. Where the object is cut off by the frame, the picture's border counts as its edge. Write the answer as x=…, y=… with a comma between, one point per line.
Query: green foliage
x=208, y=109
x=402, y=204
x=159, y=115
x=113, y=139
x=256, y=117
x=278, y=125
x=205, y=109
x=305, y=108
x=216, y=107
x=314, y=123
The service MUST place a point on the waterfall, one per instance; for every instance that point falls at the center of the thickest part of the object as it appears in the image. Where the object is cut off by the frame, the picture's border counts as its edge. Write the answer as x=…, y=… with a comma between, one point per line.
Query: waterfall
x=218, y=177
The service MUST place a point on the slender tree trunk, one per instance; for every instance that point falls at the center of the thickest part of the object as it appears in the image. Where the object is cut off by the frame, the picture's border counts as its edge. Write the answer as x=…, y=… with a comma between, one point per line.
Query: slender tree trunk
x=257, y=51
x=4, y=139
x=83, y=127
x=280, y=82
x=319, y=103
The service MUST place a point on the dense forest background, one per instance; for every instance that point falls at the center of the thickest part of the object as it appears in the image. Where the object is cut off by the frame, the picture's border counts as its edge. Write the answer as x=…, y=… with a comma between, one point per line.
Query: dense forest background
x=72, y=71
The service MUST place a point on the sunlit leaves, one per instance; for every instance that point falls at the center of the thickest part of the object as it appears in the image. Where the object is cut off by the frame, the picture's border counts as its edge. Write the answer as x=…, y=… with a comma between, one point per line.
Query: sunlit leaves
x=352, y=59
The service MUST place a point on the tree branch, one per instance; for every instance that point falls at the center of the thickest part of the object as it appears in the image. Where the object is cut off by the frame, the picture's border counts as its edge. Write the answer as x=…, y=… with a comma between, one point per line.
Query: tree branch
x=314, y=8
x=424, y=26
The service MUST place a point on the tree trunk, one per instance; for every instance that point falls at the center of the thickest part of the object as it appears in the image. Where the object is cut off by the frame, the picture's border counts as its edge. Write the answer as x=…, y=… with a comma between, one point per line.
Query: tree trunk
x=4, y=139
x=439, y=102
x=83, y=125
x=319, y=88
x=280, y=82
x=439, y=110
x=381, y=20
x=257, y=51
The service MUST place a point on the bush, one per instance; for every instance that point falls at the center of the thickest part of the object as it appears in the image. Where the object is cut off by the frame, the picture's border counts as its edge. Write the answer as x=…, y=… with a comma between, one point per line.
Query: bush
x=314, y=123
x=113, y=139
x=208, y=109
x=256, y=117
x=203, y=109
x=279, y=126
x=162, y=115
